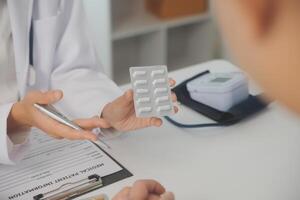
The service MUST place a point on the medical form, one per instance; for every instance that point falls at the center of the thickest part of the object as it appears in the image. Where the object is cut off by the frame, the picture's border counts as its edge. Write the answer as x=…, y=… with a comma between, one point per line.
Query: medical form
x=51, y=163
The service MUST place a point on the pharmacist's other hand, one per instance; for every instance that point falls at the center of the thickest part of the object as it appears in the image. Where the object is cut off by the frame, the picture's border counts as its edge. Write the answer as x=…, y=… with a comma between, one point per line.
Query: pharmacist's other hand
x=145, y=190
x=24, y=114
x=120, y=113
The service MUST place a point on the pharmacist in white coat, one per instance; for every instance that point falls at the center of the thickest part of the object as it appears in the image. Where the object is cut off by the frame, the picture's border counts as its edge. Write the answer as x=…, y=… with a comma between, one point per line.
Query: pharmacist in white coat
x=64, y=67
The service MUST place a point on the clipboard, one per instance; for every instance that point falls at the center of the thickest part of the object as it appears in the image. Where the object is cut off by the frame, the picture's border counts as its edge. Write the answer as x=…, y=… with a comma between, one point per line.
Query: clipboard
x=93, y=182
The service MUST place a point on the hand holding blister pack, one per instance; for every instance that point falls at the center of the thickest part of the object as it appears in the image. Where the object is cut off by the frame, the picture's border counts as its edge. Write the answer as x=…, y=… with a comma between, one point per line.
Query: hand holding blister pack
x=152, y=94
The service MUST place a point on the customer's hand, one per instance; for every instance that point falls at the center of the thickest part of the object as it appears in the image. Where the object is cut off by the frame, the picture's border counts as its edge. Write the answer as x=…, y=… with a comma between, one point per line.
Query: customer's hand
x=144, y=190
x=24, y=114
x=120, y=113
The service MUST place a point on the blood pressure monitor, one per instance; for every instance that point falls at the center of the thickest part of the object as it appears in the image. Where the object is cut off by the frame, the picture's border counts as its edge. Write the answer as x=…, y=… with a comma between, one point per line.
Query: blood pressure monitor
x=219, y=90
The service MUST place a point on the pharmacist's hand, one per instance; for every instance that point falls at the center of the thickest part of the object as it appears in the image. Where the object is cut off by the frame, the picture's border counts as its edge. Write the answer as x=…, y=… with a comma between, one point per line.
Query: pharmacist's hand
x=120, y=113
x=24, y=114
x=144, y=190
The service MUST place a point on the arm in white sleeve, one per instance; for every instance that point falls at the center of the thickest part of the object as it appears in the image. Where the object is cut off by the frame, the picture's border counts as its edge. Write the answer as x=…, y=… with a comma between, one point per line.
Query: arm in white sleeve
x=12, y=148
x=77, y=70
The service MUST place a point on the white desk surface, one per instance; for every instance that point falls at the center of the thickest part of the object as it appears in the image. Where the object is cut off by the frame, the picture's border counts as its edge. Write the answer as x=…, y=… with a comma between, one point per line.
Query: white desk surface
x=258, y=159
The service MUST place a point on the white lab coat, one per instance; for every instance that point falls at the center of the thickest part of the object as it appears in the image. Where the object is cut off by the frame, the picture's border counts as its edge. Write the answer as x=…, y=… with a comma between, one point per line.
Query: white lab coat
x=64, y=58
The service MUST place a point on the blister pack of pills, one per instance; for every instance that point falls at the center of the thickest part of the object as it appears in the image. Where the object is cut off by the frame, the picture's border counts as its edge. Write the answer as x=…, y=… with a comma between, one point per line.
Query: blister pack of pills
x=152, y=94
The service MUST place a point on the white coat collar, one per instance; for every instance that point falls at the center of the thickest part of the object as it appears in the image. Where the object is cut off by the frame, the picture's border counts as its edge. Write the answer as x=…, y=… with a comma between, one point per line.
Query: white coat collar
x=21, y=14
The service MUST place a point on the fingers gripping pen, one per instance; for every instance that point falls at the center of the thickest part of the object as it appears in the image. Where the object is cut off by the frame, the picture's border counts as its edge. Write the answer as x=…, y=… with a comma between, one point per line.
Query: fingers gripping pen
x=53, y=113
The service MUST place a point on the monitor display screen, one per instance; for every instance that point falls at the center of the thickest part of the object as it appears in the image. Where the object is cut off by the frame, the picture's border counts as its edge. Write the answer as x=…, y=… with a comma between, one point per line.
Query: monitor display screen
x=220, y=80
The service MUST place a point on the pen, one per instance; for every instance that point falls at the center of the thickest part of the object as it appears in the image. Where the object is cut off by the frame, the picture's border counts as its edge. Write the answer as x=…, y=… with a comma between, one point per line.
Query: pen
x=53, y=113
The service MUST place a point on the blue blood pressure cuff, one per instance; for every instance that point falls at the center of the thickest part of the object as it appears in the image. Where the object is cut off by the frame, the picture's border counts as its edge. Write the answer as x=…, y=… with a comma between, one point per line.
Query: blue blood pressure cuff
x=252, y=105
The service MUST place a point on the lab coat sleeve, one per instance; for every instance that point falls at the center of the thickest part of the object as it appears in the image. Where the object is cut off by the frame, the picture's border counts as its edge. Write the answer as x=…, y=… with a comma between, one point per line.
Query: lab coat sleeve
x=77, y=71
x=10, y=153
